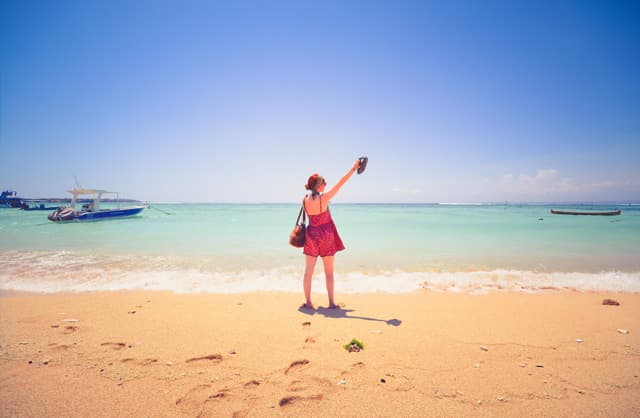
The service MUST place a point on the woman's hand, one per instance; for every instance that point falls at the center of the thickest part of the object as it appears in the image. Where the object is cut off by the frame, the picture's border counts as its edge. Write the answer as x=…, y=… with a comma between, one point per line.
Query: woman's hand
x=356, y=165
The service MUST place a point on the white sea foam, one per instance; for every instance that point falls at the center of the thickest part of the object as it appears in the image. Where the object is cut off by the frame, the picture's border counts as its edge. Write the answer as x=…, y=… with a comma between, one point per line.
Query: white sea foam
x=53, y=272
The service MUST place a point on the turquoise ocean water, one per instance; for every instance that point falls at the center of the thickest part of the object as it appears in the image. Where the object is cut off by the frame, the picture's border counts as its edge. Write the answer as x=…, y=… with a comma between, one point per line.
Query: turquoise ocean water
x=225, y=248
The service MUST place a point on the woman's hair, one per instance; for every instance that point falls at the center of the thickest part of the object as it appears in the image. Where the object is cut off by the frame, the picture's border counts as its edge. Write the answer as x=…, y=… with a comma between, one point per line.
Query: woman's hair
x=314, y=183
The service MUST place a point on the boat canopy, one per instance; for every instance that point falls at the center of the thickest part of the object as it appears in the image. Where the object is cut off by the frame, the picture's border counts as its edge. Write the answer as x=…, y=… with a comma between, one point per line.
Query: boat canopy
x=97, y=195
x=88, y=191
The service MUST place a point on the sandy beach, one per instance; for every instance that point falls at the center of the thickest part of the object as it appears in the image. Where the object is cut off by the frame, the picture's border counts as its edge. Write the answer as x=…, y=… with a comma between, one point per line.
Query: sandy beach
x=258, y=354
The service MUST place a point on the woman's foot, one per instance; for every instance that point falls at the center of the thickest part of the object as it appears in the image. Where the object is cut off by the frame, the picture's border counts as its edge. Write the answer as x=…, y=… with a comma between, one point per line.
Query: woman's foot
x=307, y=305
x=336, y=306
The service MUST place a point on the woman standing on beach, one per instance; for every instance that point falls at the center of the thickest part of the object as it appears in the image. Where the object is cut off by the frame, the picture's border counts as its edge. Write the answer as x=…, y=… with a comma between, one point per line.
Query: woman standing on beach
x=322, y=235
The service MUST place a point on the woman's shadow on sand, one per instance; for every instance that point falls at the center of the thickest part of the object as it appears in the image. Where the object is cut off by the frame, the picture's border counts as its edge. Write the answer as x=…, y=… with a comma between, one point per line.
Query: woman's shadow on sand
x=344, y=313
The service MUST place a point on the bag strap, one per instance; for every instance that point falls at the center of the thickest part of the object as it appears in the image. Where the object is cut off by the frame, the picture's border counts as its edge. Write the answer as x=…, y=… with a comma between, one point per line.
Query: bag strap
x=303, y=213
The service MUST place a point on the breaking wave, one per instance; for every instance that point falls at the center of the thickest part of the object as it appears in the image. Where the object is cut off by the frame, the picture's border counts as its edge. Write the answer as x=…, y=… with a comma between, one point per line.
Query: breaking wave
x=55, y=272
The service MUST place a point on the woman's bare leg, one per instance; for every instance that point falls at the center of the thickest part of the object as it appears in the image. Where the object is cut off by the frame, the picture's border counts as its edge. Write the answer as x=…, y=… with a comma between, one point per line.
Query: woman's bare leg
x=310, y=265
x=328, y=274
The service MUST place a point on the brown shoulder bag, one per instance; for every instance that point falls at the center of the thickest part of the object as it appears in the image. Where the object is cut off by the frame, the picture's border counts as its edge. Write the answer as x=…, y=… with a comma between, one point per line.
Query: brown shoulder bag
x=298, y=235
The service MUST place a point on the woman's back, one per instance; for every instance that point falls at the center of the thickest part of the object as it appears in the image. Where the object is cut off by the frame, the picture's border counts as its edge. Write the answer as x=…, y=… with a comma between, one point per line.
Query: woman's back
x=315, y=205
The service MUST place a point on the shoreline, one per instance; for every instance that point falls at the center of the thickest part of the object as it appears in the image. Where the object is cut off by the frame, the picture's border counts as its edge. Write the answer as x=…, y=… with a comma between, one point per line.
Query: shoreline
x=148, y=353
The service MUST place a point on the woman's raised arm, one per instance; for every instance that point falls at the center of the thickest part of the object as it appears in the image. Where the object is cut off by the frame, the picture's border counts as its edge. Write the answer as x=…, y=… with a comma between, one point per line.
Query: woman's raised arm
x=332, y=192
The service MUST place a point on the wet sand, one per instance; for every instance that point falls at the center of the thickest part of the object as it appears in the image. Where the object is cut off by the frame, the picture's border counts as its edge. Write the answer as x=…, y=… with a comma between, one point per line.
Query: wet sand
x=258, y=354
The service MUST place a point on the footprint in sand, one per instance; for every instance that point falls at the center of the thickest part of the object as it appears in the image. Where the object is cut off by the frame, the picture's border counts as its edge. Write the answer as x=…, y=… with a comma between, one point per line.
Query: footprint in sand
x=140, y=362
x=297, y=386
x=115, y=346
x=205, y=401
x=252, y=383
x=216, y=358
x=194, y=397
x=288, y=400
x=309, y=340
x=296, y=365
x=56, y=346
x=221, y=394
x=70, y=329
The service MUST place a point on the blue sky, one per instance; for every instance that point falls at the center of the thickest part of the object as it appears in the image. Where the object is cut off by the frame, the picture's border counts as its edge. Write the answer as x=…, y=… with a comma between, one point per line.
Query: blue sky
x=241, y=101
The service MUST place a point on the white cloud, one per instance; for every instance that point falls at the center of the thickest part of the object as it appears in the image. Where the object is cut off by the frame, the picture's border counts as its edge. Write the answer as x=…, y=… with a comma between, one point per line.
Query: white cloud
x=548, y=183
x=544, y=181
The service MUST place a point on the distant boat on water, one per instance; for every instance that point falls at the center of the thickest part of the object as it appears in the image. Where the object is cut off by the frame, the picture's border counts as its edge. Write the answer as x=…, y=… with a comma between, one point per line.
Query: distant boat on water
x=587, y=212
x=10, y=199
x=91, y=211
x=30, y=204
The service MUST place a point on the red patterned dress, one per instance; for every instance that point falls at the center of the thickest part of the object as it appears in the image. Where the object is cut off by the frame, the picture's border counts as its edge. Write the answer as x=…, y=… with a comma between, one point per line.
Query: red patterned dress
x=322, y=236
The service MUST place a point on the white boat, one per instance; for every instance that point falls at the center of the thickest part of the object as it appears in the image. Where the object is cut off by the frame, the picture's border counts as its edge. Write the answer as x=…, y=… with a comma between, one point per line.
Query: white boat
x=92, y=211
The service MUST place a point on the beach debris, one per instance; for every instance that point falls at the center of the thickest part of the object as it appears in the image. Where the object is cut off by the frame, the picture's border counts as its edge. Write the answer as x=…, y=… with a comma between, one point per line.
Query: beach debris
x=523, y=365
x=342, y=382
x=45, y=361
x=484, y=348
x=541, y=219
x=232, y=351
x=610, y=302
x=501, y=398
x=169, y=363
x=540, y=365
x=581, y=392
x=579, y=340
x=477, y=365
x=131, y=312
x=70, y=320
x=30, y=361
x=623, y=331
x=306, y=324
x=382, y=380
x=23, y=343
x=55, y=325
x=354, y=346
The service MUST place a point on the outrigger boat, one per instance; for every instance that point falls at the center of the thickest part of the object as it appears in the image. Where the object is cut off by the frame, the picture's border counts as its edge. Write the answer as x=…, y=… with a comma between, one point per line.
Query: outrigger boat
x=587, y=212
x=91, y=211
